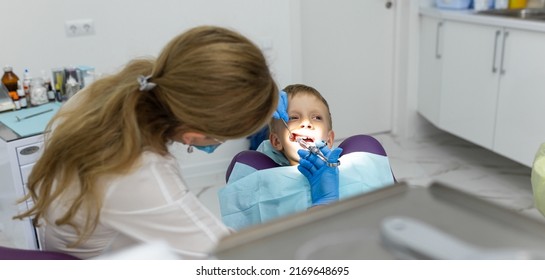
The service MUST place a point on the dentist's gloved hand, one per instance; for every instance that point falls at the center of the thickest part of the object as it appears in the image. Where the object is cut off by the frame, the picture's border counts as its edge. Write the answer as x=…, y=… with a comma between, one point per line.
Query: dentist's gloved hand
x=282, y=108
x=323, y=179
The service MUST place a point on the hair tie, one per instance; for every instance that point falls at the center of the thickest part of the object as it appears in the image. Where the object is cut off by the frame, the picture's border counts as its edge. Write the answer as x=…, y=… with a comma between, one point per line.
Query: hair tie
x=145, y=85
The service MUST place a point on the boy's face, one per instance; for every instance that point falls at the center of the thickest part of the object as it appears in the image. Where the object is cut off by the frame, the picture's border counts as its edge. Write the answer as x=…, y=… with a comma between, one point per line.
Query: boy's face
x=309, y=119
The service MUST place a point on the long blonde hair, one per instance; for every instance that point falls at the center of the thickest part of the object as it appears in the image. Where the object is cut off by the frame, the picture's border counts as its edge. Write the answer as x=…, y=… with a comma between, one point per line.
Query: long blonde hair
x=209, y=79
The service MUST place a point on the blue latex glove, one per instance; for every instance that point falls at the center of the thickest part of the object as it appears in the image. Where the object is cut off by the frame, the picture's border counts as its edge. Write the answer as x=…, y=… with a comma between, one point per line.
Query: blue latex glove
x=282, y=108
x=323, y=179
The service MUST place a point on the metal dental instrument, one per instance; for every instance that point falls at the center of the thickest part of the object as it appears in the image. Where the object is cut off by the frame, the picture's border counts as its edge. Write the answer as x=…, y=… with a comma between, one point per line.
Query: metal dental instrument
x=311, y=148
x=287, y=127
x=33, y=115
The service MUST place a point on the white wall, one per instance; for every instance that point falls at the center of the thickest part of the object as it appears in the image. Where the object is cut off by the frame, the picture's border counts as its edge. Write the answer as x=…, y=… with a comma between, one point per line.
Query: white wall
x=407, y=122
x=131, y=28
x=33, y=37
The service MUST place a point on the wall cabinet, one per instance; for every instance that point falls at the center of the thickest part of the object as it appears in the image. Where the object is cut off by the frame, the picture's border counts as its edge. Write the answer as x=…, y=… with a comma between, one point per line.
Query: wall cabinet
x=488, y=84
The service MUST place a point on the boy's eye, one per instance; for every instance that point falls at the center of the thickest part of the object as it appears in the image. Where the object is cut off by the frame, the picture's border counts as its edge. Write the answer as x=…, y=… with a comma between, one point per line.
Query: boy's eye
x=317, y=118
x=293, y=118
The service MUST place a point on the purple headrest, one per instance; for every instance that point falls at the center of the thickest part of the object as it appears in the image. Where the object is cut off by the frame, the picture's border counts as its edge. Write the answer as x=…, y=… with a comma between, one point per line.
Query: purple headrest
x=362, y=143
x=259, y=161
x=251, y=158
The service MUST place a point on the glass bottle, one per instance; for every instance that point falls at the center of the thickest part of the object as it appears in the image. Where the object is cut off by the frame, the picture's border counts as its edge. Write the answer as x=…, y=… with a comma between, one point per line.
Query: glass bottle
x=50, y=91
x=9, y=79
x=38, y=93
x=22, y=96
x=72, y=87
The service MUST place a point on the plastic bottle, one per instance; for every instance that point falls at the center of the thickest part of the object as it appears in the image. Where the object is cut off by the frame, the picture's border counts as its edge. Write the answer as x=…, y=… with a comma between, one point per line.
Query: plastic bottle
x=9, y=79
x=517, y=4
x=501, y=4
x=21, y=93
x=481, y=5
x=26, y=86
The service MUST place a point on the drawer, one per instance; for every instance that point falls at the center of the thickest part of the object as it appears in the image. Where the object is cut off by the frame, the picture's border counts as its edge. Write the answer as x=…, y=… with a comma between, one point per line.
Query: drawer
x=30, y=153
x=25, y=172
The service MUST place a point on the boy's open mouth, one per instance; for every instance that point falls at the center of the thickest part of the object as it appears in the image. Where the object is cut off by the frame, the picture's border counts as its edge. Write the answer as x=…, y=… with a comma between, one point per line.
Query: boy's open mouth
x=294, y=137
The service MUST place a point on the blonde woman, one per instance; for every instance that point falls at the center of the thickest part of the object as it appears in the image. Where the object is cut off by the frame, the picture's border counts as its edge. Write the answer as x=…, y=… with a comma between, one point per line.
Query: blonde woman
x=106, y=180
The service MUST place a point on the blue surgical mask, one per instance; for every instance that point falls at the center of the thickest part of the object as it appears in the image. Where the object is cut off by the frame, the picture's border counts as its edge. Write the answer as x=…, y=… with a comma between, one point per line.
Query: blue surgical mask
x=207, y=149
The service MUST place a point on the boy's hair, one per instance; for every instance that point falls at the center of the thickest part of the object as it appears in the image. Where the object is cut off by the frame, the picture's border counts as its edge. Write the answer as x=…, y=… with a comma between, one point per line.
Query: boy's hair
x=297, y=89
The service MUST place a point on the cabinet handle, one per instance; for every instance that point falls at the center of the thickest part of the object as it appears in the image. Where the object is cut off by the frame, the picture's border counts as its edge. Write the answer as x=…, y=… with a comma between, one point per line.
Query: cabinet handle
x=437, y=33
x=502, y=70
x=494, y=68
x=29, y=150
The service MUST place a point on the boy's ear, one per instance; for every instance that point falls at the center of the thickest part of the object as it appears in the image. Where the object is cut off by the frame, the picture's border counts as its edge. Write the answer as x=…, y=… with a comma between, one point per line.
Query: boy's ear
x=275, y=141
x=330, y=138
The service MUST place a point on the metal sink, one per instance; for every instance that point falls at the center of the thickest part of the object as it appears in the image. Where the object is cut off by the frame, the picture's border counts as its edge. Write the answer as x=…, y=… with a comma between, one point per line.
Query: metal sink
x=526, y=14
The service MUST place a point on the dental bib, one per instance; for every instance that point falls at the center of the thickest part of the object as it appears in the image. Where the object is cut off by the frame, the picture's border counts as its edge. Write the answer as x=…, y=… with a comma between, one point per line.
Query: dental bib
x=253, y=196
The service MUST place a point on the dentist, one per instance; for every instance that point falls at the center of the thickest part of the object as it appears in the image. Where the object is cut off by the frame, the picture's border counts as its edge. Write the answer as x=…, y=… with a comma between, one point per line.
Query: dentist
x=106, y=180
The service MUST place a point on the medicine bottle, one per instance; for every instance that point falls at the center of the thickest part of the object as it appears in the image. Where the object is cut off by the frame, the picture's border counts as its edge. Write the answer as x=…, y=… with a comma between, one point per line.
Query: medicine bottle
x=9, y=79
x=48, y=86
x=26, y=86
x=38, y=92
x=72, y=87
x=21, y=93
x=50, y=91
x=517, y=4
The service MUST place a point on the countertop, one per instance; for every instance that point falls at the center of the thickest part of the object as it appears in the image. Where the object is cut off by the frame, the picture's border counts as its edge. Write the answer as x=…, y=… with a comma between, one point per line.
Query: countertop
x=472, y=17
x=11, y=129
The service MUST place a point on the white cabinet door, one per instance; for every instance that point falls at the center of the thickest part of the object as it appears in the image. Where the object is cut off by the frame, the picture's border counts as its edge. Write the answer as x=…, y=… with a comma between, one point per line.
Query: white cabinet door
x=347, y=55
x=19, y=234
x=520, y=121
x=429, y=76
x=470, y=81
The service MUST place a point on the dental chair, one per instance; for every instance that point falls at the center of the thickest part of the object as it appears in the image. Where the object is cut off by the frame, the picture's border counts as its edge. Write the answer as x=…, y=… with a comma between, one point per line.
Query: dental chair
x=252, y=194
x=23, y=254
x=260, y=161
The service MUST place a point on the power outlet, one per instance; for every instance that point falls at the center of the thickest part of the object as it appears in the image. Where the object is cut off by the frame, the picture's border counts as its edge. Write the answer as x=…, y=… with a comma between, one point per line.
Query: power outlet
x=80, y=27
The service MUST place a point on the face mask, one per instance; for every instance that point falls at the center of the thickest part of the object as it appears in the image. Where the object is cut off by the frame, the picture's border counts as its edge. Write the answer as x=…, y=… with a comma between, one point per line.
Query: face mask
x=207, y=149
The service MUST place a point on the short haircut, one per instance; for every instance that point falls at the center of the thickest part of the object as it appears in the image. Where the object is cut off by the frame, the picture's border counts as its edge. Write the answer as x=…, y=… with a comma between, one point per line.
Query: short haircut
x=298, y=89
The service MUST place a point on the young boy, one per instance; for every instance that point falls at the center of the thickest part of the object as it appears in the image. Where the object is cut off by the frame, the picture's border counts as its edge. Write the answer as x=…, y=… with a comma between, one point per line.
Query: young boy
x=309, y=119
x=256, y=196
